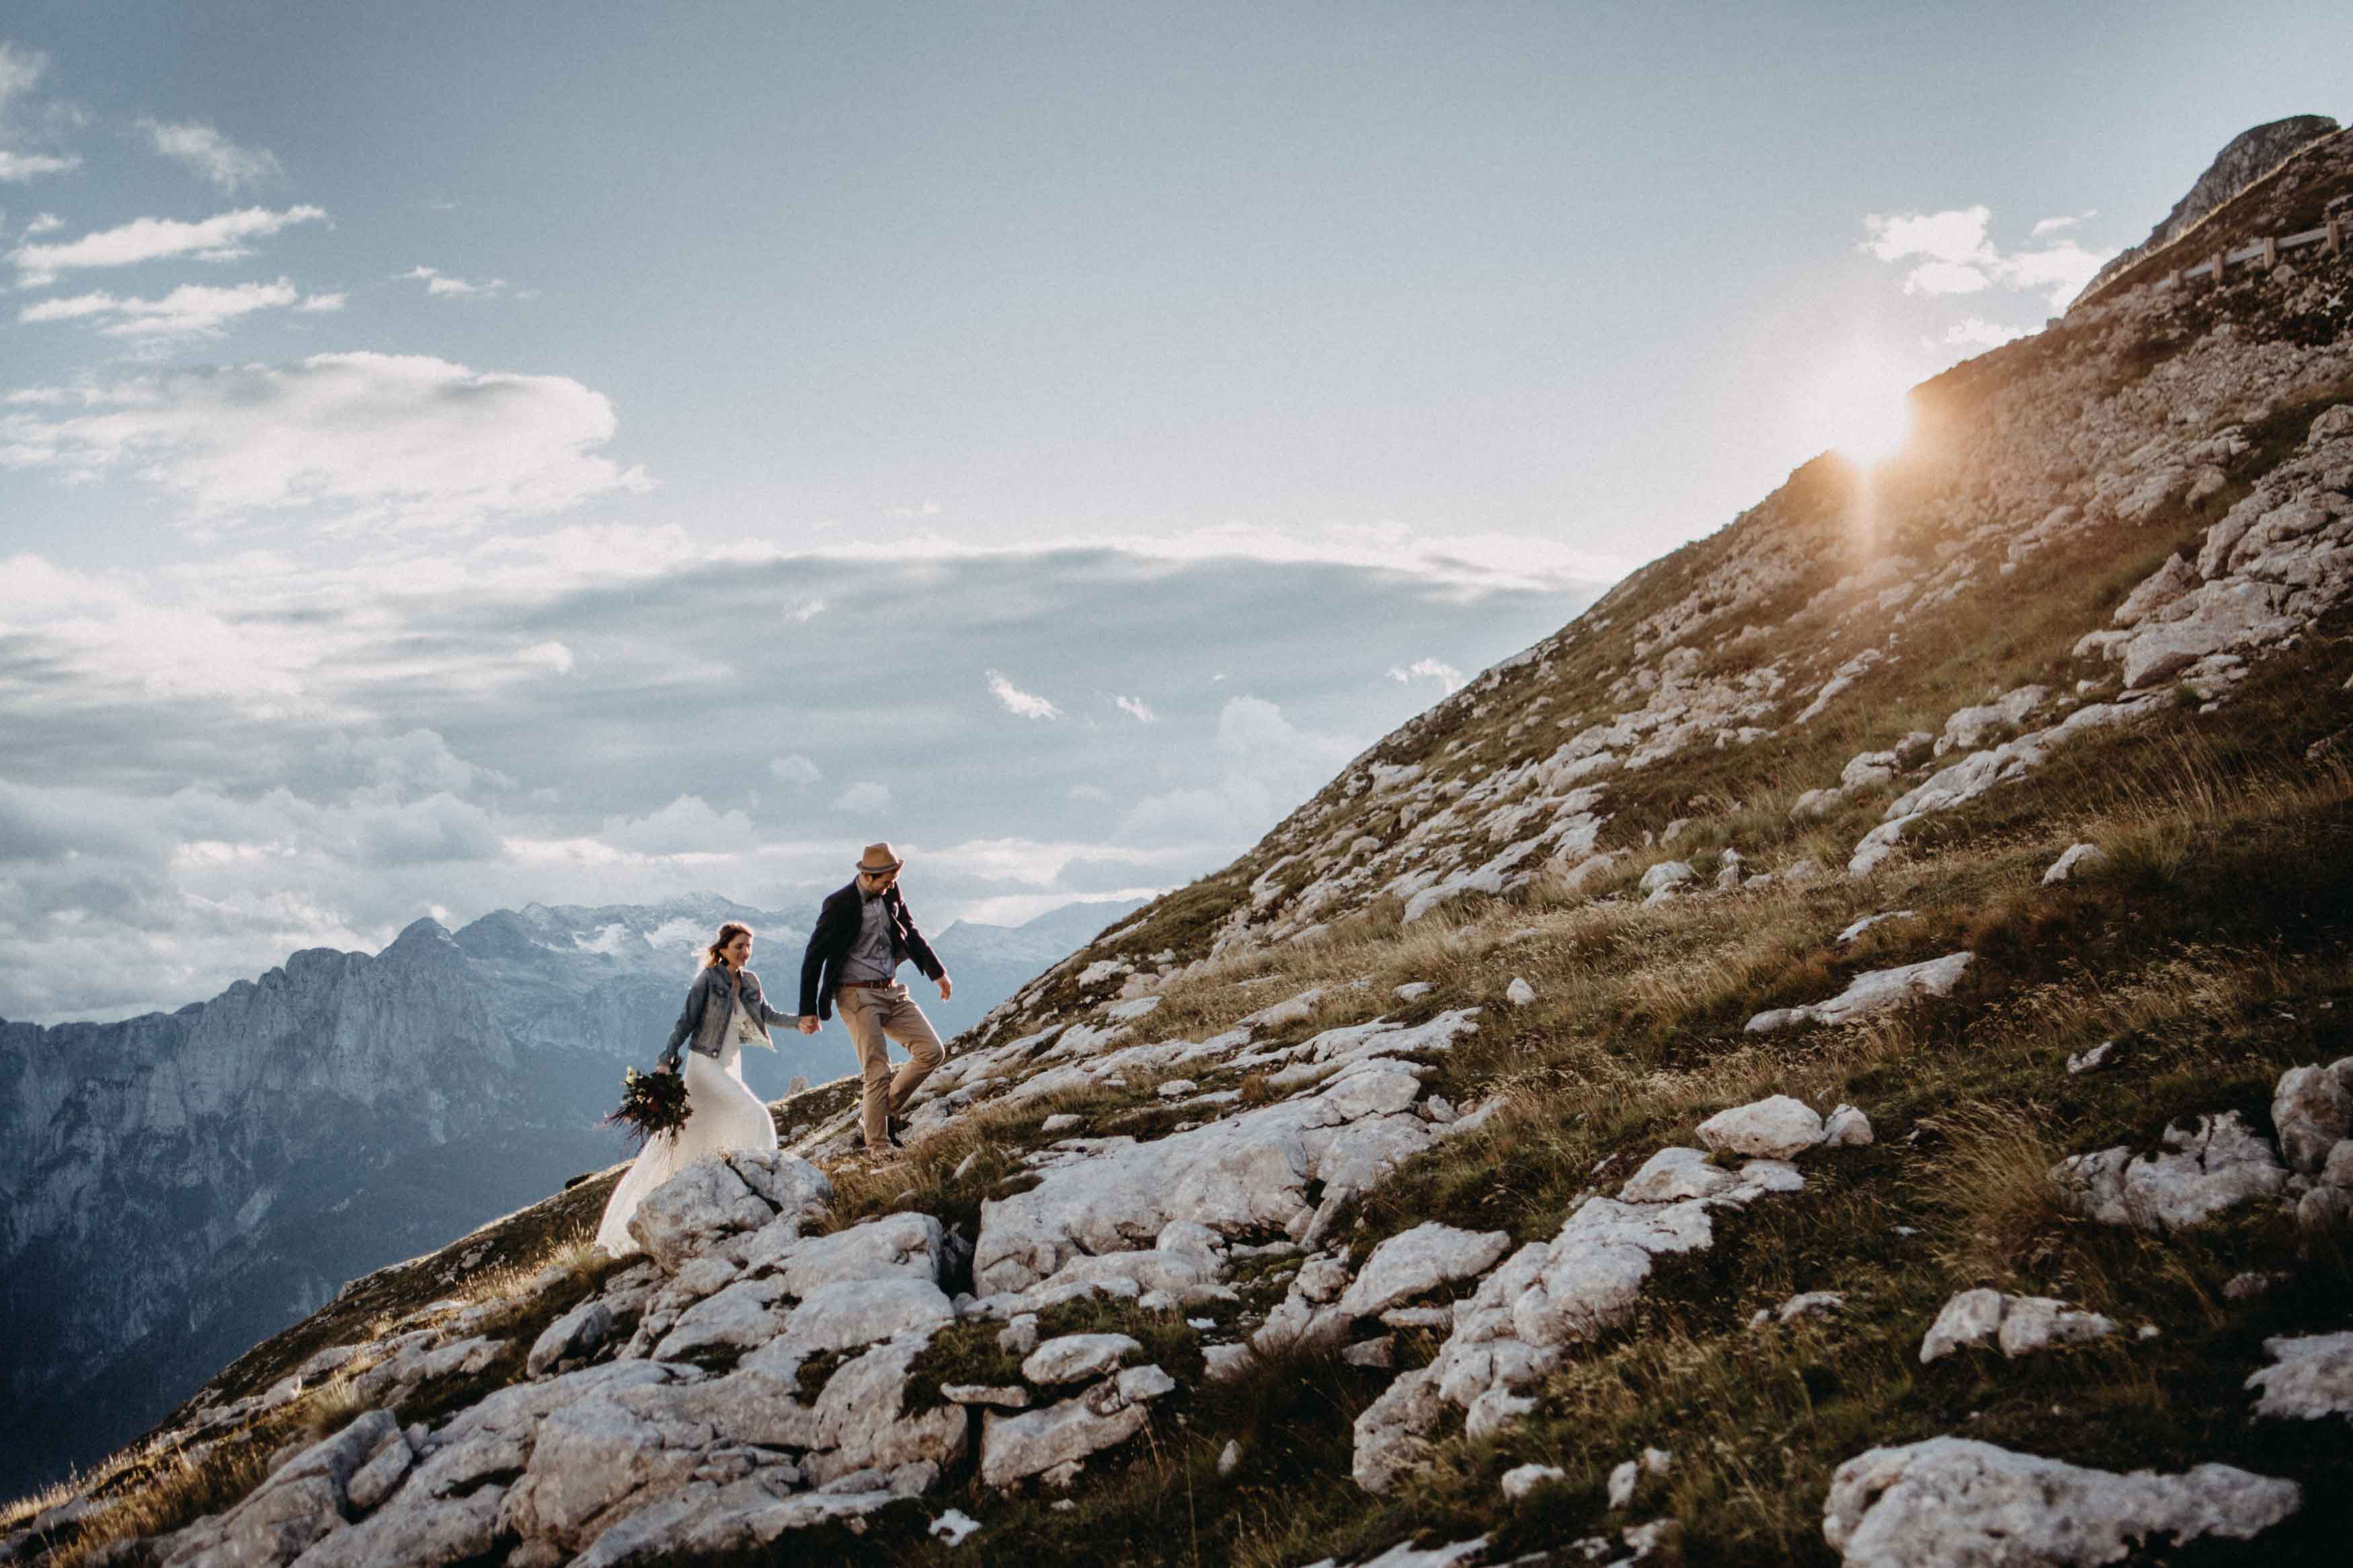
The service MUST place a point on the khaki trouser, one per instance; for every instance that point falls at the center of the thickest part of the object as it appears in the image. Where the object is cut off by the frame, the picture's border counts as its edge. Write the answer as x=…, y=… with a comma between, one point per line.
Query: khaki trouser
x=870, y=1013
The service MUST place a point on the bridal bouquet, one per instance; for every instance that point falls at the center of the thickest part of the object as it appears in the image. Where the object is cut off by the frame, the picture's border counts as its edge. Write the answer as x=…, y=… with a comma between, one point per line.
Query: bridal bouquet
x=652, y=1102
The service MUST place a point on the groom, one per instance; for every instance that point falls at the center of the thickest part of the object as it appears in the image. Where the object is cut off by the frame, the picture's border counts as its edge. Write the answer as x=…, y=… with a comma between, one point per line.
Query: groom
x=863, y=933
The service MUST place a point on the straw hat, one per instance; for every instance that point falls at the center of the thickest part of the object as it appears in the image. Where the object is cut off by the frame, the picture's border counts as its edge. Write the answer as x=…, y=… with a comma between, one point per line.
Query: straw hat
x=877, y=857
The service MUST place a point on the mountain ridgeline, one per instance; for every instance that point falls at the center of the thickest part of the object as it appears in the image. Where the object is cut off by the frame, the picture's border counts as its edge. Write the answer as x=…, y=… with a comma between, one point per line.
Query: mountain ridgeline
x=181, y=1184
x=1842, y=1055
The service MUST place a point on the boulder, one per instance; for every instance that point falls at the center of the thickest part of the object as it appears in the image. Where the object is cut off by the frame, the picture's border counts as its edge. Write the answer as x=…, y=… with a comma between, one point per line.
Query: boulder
x=849, y=1313
x=1520, y=1481
x=694, y=1210
x=576, y=1335
x=2309, y=1378
x=1870, y=993
x=1846, y=1127
x=1953, y=1500
x=2204, y=1169
x=1519, y=993
x=2079, y=860
x=1417, y=1262
x=2312, y=1108
x=1665, y=875
x=301, y=1503
x=1773, y=1128
x=2018, y=1325
x=1075, y=1358
x=1013, y=1447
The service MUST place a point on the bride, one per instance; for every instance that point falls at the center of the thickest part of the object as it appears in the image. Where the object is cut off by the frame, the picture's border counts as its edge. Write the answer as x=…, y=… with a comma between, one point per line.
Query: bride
x=724, y=1012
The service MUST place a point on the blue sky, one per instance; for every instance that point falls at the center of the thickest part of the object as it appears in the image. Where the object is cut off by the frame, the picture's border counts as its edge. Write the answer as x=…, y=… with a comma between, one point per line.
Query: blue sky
x=454, y=455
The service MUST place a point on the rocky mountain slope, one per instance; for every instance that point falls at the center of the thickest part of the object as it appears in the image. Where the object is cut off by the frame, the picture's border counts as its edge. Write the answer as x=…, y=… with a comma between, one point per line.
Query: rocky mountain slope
x=182, y=1184
x=1841, y=1054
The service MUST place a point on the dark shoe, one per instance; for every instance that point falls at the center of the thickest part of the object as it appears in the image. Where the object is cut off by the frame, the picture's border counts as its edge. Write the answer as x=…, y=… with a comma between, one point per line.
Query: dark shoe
x=891, y=1126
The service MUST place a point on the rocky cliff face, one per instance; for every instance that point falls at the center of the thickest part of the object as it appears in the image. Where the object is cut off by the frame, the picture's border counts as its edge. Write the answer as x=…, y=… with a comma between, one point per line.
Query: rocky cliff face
x=2249, y=155
x=1843, y=1054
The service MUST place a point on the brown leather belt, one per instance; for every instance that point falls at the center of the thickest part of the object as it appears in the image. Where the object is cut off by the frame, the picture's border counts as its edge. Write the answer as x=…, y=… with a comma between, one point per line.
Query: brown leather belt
x=868, y=985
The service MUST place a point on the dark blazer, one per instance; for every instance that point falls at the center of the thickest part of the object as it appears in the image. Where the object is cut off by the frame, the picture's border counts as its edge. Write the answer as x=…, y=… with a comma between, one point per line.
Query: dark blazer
x=707, y=1011
x=836, y=928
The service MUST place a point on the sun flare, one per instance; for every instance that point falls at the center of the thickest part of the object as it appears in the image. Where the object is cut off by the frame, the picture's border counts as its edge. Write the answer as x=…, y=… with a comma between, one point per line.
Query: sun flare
x=1860, y=406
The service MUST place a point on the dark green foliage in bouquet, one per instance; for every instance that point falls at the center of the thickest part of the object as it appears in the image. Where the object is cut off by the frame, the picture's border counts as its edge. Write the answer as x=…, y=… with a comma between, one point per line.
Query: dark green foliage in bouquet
x=652, y=1102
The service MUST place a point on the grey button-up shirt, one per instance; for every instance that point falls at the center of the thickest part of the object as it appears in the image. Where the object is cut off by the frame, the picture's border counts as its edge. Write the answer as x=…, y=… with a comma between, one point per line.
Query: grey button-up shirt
x=869, y=954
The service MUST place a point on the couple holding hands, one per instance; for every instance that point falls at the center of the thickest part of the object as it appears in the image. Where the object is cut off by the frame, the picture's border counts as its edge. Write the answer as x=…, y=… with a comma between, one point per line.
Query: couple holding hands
x=863, y=934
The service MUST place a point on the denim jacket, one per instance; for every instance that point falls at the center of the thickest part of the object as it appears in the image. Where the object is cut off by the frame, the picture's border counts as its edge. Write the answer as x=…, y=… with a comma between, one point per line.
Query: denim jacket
x=707, y=1010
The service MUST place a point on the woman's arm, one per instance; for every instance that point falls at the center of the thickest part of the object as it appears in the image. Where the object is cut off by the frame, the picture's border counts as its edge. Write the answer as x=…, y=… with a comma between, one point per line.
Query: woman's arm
x=768, y=1014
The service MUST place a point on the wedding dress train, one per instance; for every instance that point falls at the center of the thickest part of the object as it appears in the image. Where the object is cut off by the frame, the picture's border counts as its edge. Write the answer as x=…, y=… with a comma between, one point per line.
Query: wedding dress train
x=722, y=1116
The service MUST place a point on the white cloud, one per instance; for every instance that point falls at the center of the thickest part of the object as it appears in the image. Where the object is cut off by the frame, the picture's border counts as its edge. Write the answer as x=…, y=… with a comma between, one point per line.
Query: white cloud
x=1429, y=669
x=687, y=826
x=926, y=509
x=1959, y=234
x=809, y=610
x=796, y=769
x=371, y=438
x=1978, y=335
x=191, y=310
x=2057, y=272
x=865, y=795
x=2053, y=225
x=1952, y=253
x=218, y=238
x=1266, y=765
x=1020, y=702
x=1089, y=792
x=17, y=167
x=44, y=223
x=20, y=71
x=212, y=155
x=440, y=284
x=1946, y=277
x=1135, y=708
x=316, y=302
x=553, y=656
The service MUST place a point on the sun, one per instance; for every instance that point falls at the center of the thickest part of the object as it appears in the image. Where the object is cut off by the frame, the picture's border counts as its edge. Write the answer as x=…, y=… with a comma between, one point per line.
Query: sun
x=1859, y=406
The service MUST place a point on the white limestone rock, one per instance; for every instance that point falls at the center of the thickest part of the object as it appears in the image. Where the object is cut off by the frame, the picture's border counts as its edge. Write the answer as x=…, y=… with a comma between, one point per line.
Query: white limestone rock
x=576, y=1335
x=1811, y=1304
x=2079, y=860
x=299, y=1504
x=2309, y=1378
x=1951, y=1501
x=1970, y=728
x=1773, y=1128
x=1247, y=1173
x=1056, y=1438
x=1075, y=1358
x=2312, y=1107
x=2018, y=1325
x=1519, y=993
x=716, y=1198
x=1522, y=1480
x=1546, y=1295
x=2205, y=1169
x=1418, y=1261
x=2093, y=1060
x=848, y=1313
x=1011, y=1398
x=1846, y=1127
x=1872, y=992
x=1665, y=875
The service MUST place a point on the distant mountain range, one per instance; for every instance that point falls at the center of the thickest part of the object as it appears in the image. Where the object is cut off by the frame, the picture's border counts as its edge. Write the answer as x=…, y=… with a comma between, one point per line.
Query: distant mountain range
x=181, y=1184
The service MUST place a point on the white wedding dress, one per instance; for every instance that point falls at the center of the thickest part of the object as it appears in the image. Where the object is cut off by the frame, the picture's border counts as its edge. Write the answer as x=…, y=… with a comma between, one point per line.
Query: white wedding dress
x=722, y=1116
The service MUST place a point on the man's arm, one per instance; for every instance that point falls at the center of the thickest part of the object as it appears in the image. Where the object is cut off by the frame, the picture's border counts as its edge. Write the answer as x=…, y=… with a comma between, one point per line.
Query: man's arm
x=921, y=951
x=822, y=942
